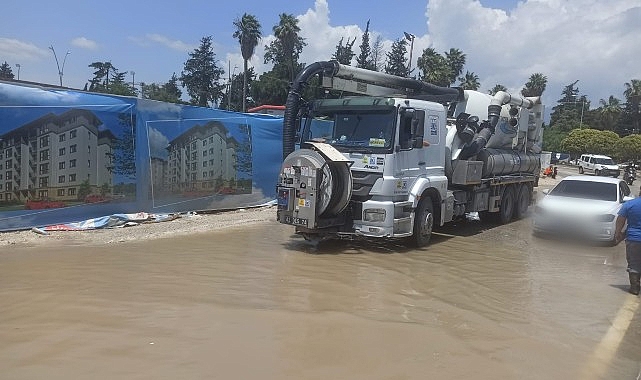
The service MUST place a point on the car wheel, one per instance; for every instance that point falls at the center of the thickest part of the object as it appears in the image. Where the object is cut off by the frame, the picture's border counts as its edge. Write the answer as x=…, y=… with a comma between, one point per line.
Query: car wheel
x=423, y=223
x=506, y=211
x=580, y=169
x=522, y=201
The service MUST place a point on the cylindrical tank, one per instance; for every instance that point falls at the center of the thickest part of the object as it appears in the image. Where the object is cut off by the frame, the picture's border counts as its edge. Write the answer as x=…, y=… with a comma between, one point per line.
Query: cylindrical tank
x=501, y=161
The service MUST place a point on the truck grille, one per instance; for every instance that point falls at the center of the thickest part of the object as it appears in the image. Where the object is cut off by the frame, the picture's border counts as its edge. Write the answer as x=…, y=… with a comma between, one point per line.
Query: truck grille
x=363, y=183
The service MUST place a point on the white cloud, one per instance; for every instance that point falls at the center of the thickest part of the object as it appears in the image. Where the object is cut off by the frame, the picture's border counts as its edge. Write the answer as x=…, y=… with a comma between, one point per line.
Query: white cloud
x=153, y=38
x=16, y=50
x=84, y=43
x=320, y=36
x=593, y=41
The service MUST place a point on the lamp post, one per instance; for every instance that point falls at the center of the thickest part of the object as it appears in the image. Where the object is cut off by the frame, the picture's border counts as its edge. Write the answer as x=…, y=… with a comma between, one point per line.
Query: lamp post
x=410, y=37
x=231, y=76
x=582, y=107
x=18, y=66
x=61, y=71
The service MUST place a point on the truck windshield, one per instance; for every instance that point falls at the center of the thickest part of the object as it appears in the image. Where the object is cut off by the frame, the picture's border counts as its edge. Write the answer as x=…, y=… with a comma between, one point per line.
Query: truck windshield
x=357, y=130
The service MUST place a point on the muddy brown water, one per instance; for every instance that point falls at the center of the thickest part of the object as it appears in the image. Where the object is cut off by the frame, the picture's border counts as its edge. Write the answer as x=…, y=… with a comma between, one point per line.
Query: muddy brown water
x=259, y=303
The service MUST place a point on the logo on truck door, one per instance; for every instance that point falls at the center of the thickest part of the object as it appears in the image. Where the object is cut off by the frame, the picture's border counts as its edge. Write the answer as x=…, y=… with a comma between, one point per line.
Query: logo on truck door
x=433, y=125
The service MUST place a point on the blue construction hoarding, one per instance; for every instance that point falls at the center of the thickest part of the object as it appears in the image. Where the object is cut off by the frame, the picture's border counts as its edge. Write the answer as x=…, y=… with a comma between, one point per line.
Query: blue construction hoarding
x=67, y=156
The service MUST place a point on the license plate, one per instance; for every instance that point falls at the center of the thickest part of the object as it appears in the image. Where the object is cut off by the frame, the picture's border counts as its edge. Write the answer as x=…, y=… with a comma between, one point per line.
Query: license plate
x=296, y=221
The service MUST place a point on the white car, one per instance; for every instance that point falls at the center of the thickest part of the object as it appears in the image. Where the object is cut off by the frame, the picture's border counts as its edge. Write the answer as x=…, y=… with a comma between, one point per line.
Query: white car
x=581, y=206
x=598, y=165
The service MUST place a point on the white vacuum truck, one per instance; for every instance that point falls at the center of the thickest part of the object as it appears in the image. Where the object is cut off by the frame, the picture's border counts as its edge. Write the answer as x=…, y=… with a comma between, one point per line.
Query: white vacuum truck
x=403, y=157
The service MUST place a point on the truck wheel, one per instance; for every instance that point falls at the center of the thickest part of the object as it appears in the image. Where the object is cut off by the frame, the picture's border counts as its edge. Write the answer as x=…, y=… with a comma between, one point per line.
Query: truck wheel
x=522, y=201
x=423, y=223
x=488, y=217
x=580, y=169
x=506, y=211
x=597, y=173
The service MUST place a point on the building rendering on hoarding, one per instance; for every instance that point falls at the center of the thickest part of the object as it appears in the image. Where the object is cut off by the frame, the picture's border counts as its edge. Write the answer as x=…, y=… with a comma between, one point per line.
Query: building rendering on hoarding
x=201, y=159
x=52, y=156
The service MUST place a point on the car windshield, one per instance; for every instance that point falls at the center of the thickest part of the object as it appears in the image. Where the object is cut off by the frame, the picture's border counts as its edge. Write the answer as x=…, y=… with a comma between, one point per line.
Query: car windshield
x=604, y=161
x=600, y=191
x=371, y=129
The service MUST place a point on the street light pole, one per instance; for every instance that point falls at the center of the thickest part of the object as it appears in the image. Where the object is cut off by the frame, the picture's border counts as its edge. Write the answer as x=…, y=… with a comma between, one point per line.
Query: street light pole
x=61, y=71
x=410, y=37
x=18, y=66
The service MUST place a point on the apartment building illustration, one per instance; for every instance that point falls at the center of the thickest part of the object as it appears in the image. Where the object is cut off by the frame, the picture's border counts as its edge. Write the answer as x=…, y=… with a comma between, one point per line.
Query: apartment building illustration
x=202, y=159
x=50, y=157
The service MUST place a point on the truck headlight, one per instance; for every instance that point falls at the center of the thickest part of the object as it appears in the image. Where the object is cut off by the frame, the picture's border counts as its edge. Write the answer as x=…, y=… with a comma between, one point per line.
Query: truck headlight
x=374, y=215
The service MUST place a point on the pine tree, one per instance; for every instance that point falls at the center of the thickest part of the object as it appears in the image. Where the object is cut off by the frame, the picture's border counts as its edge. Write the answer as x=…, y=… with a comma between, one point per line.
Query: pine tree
x=364, y=59
x=201, y=75
x=396, y=61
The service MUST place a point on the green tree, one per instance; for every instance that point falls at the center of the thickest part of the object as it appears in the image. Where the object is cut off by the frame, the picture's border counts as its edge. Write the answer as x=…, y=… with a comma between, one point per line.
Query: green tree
x=286, y=48
x=470, y=81
x=632, y=111
x=344, y=54
x=168, y=92
x=248, y=32
x=535, y=85
x=124, y=153
x=609, y=113
x=271, y=87
x=108, y=80
x=580, y=141
x=552, y=139
x=396, y=61
x=364, y=59
x=434, y=68
x=497, y=88
x=84, y=189
x=377, y=57
x=567, y=106
x=456, y=61
x=233, y=97
x=5, y=71
x=201, y=75
x=629, y=148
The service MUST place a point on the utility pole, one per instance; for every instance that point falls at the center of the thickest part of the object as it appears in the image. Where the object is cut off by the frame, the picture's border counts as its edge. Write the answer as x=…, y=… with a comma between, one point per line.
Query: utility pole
x=18, y=66
x=61, y=71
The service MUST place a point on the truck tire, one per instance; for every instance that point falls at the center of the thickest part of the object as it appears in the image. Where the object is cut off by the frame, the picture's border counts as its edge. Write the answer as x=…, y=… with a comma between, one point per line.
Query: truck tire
x=597, y=173
x=506, y=211
x=580, y=169
x=423, y=223
x=522, y=201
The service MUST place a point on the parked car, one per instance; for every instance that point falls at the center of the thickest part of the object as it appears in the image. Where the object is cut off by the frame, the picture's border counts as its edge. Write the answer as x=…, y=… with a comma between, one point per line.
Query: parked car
x=581, y=206
x=598, y=165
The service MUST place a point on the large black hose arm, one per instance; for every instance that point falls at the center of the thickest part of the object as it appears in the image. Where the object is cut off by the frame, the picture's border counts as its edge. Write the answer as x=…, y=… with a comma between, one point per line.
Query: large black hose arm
x=292, y=105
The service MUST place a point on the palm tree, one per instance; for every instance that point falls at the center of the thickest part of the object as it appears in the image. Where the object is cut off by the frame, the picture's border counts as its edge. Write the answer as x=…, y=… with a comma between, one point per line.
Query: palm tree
x=535, y=85
x=456, y=61
x=633, y=97
x=610, y=111
x=248, y=34
x=287, y=32
x=497, y=88
x=470, y=81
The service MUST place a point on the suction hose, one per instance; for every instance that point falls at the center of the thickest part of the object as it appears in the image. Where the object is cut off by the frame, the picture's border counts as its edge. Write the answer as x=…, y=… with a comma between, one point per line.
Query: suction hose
x=292, y=105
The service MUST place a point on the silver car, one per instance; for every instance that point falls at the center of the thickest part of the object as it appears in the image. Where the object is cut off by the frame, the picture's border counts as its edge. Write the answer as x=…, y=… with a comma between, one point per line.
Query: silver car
x=581, y=206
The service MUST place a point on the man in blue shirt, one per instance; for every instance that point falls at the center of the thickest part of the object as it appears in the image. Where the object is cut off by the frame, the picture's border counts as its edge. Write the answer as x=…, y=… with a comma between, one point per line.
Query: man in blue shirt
x=630, y=212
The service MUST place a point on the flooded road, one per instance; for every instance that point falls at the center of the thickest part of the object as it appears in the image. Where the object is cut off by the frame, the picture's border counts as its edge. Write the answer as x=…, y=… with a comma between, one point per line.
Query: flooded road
x=258, y=302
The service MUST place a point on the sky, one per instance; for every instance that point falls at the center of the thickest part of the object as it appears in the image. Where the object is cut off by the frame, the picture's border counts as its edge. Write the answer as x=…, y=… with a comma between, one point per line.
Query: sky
x=595, y=42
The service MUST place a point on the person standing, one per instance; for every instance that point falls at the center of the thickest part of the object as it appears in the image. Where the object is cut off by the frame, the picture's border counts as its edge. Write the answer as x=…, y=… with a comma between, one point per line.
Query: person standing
x=630, y=212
